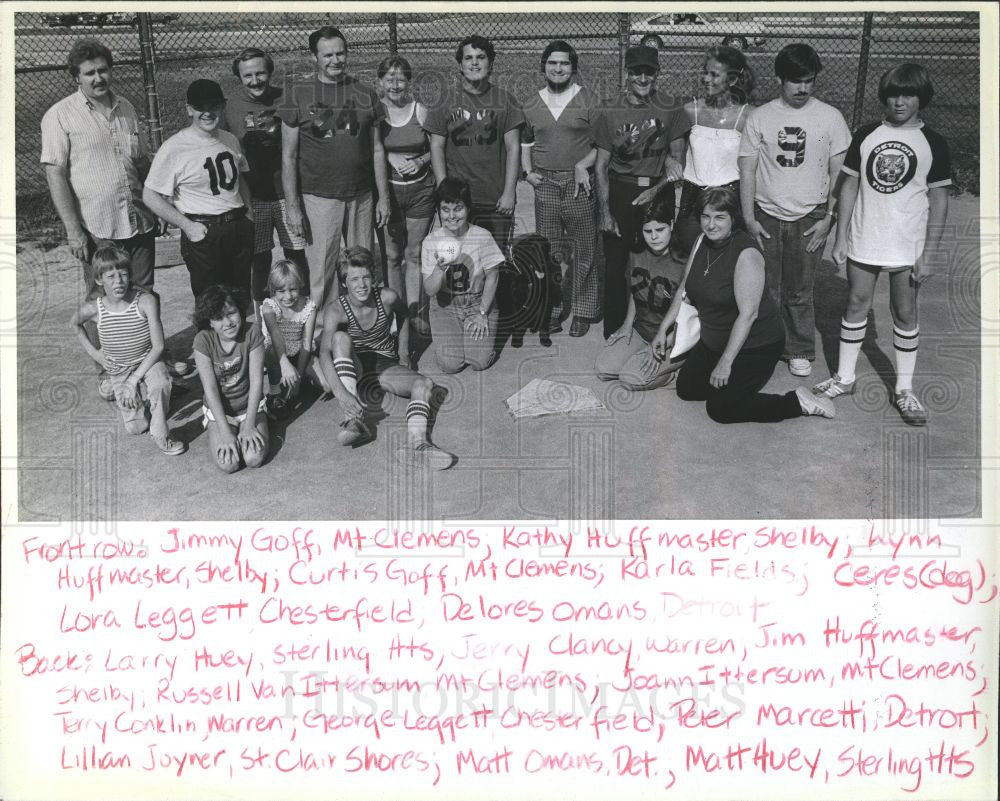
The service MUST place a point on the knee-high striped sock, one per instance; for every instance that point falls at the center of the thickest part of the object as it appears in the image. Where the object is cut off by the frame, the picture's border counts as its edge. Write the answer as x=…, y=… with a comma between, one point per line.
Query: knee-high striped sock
x=905, y=344
x=347, y=372
x=851, y=337
x=417, y=413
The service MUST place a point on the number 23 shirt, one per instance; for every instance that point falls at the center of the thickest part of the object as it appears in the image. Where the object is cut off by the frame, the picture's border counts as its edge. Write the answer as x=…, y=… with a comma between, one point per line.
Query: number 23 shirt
x=200, y=173
x=793, y=148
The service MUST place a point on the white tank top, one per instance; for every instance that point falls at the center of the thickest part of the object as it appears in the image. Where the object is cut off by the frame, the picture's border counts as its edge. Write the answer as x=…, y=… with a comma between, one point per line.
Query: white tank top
x=713, y=153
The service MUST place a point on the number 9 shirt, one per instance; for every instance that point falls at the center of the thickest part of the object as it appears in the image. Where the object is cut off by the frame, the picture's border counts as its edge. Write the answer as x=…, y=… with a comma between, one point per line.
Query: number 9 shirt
x=201, y=174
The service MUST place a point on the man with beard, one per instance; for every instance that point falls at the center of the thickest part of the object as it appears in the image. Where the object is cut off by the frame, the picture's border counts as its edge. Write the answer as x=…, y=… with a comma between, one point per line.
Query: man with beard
x=640, y=144
x=558, y=155
x=250, y=117
x=790, y=156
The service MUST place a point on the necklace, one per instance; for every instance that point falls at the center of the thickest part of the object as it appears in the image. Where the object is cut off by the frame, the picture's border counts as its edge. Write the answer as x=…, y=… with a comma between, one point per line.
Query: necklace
x=710, y=262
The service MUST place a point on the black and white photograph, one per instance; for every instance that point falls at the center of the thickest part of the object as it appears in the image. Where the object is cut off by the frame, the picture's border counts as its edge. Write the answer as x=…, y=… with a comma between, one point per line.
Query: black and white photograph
x=475, y=400
x=565, y=265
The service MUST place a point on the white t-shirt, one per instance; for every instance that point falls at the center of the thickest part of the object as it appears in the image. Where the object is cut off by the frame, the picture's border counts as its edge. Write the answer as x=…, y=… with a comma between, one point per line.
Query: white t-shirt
x=201, y=174
x=793, y=149
x=478, y=252
x=895, y=167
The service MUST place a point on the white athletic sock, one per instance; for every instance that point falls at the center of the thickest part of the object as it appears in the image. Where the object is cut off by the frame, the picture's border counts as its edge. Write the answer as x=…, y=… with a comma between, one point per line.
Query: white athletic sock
x=347, y=372
x=417, y=413
x=905, y=344
x=851, y=337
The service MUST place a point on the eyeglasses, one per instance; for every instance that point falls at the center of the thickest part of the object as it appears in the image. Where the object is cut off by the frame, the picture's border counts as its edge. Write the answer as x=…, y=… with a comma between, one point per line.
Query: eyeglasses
x=649, y=72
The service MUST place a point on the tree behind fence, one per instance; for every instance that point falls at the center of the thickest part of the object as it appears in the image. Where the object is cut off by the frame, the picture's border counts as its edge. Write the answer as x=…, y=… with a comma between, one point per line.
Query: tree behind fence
x=182, y=47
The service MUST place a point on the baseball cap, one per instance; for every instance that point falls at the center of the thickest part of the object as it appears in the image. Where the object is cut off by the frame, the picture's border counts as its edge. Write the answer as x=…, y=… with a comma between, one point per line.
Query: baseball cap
x=642, y=56
x=203, y=94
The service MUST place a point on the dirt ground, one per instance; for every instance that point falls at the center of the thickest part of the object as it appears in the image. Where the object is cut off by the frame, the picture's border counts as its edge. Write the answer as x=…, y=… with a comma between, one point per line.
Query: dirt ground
x=646, y=455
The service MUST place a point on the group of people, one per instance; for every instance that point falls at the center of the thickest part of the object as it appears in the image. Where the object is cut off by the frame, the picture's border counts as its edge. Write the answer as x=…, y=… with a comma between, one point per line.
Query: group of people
x=326, y=162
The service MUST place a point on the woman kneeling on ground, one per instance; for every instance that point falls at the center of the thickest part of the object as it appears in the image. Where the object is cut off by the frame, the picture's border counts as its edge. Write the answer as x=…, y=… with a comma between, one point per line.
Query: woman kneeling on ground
x=741, y=333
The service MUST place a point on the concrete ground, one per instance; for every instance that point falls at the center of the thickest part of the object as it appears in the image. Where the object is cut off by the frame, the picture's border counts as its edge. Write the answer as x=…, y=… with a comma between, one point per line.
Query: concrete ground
x=647, y=455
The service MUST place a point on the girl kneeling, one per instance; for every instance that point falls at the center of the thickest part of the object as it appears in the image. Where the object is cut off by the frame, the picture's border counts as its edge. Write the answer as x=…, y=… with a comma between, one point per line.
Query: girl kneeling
x=653, y=277
x=229, y=355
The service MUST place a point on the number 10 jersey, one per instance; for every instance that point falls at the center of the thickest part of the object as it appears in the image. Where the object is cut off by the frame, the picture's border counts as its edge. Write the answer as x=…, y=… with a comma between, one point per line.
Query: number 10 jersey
x=199, y=173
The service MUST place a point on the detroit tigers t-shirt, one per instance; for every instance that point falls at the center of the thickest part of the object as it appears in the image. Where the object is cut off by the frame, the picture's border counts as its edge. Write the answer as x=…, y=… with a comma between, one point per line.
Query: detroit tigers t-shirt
x=793, y=149
x=639, y=137
x=895, y=167
x=335, y=135
x=473, y=127
x=254, y=122
x=201, y=174
x=478, y=253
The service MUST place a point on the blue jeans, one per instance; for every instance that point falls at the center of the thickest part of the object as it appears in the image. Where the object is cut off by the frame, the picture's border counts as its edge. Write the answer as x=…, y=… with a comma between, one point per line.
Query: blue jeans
x=790, y=271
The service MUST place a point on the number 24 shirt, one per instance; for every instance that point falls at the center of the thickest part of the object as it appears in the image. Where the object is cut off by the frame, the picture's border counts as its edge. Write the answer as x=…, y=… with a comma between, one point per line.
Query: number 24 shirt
x=793, y=149
x=201, y=174
x=895, y=167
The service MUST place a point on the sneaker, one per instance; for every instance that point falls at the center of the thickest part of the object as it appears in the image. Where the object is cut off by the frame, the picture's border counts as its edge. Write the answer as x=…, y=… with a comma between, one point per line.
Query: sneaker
x=815, y=404
x=910, y=408
x=425, y=454
x=167, y=446
x=181, y=369
x=105, y=388
x=353, y=431
x=833, y=387
x=277, y=407
x=800, y=367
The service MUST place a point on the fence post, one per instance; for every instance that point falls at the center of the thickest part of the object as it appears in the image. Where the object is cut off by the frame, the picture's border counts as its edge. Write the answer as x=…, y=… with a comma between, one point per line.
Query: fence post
x=393, y=35
x=147, y=49
x=624, y=25
x=859, y=87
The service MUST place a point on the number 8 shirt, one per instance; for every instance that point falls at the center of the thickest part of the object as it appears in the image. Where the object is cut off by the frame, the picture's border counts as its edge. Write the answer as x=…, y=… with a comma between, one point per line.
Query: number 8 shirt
x=200, y=173
x=793, y=149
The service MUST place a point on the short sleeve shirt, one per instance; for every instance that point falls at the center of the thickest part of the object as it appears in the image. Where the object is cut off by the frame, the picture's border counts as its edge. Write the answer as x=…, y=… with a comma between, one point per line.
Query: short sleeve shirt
x=199, y=173
x=232, y=370
x=474, y=127
x=254, y=123
x=478, y=252
x=559, y=142
x=639, y=137
x=895, y=168
x=335, y=135
x=654, y=281
x=793, y=149
x=102, y=156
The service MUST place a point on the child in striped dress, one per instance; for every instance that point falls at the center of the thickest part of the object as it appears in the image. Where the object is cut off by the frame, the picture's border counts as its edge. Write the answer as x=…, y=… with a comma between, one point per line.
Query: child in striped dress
x=131, y=347
x=289, y=323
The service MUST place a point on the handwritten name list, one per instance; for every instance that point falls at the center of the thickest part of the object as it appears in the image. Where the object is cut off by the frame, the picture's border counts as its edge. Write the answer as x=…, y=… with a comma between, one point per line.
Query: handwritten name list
x=672, y=661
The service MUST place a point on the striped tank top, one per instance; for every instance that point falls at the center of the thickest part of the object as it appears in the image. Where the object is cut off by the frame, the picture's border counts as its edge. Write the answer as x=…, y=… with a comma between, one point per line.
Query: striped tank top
x=377, y=339
x=408, y=139
x=124, y=335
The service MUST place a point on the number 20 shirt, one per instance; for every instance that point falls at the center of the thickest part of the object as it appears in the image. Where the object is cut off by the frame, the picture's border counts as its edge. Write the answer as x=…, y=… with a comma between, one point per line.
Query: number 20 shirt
x=200, y=173
x=895, y=167
x=793, y=149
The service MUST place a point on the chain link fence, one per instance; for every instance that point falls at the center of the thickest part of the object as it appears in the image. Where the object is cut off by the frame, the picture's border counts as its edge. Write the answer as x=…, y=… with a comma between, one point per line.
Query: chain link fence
x=855, y=48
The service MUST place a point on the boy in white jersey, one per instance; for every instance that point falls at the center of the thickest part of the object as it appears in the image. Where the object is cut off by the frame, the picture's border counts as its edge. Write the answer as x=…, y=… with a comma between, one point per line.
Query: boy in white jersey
x=197, y=183
x=131, y=347
x=894, y=202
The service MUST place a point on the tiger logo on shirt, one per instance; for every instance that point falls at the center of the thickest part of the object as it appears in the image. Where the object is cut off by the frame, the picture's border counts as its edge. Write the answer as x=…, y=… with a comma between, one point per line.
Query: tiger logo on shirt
x=890, y=167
